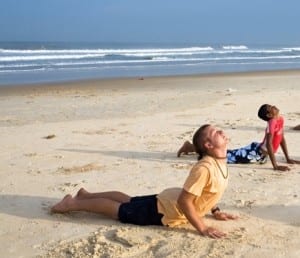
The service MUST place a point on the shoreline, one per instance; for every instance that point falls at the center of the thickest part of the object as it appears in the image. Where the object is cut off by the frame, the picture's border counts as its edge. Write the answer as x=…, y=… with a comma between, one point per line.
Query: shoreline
x=106, y=81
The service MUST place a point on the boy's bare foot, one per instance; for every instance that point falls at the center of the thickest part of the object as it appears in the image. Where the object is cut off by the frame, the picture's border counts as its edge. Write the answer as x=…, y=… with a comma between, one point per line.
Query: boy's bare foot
x=81, y=194
x=297, y=127
x=62, y=206
x=185, y=148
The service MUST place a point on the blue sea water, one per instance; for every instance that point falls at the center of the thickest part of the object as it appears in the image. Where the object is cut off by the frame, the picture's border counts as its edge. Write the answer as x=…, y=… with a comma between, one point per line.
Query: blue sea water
x=36, y=62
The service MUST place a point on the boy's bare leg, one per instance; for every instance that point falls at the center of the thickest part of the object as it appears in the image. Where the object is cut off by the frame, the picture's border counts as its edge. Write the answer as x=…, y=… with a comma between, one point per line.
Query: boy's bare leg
x=186, y=148
x=103, y=206
x=83, y=194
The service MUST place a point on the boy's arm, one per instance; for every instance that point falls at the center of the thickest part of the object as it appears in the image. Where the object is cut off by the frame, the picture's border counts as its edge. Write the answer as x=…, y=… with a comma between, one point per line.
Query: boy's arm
x=286, y=154
x=269, y=139
x=187, y=205
x=284, y=149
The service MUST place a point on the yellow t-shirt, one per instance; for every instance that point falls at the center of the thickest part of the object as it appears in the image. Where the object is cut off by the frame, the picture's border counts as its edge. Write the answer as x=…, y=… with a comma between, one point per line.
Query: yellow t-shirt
x=206, y=181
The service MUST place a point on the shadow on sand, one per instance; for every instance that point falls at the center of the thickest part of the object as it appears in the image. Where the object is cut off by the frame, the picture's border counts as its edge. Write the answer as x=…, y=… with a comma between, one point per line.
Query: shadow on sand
x=38, y=208
x=161, y=156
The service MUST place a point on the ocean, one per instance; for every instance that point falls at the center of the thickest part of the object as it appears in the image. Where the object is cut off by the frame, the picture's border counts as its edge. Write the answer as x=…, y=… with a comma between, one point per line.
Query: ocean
x=36, y=62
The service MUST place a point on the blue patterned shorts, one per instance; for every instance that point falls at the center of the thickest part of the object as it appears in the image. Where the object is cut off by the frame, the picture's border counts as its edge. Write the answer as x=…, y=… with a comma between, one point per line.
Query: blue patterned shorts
x=249, y=154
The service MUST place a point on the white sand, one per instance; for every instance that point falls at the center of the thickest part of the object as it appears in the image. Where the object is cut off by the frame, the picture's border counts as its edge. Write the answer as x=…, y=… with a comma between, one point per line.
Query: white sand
x=124, y=135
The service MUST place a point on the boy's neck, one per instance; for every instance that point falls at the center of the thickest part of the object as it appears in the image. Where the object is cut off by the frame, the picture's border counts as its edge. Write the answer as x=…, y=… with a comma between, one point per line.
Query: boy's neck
x=219, y=154
x=274, y=117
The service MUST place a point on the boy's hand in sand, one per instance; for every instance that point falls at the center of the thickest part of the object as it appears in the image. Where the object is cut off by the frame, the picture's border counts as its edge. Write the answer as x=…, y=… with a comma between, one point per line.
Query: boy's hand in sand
x=293, y=161
x=209, y=231
x=224, y=216
x=282, y=168
x=213, y=233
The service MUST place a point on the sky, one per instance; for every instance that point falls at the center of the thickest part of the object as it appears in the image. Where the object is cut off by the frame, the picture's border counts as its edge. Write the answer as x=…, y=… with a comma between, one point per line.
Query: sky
x=152, y=21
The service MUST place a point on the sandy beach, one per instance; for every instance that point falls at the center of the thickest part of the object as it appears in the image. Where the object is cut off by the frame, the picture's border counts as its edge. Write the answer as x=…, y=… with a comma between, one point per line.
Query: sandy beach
x=123, y=134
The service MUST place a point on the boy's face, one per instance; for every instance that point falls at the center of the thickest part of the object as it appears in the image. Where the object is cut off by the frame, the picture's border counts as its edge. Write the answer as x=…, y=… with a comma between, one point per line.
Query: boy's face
x=273, y=111
x=217, y=137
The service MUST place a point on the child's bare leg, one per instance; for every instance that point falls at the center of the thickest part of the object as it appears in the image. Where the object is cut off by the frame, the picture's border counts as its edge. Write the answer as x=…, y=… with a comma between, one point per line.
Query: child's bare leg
x=186, y=148
x=96, y=205
x=83, y=194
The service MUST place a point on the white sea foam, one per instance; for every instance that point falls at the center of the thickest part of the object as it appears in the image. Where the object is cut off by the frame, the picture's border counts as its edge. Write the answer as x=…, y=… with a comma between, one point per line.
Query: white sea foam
x=35, y=55
x=292, y=48
x=142, y=60
x=241, y=47
x=106, y=51
x=46, y=57
x=117, y=63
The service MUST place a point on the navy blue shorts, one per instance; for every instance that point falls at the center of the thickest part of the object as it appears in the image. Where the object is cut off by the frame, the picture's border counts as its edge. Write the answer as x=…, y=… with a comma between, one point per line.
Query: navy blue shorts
x=141, y=210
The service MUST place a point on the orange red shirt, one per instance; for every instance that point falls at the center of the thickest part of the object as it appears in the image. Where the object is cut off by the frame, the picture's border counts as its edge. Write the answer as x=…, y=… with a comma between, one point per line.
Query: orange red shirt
x=275, y=128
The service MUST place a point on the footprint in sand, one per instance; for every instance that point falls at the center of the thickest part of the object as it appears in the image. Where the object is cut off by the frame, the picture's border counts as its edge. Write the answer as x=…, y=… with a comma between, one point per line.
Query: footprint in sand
x=244, y=203
x=121, y=242
x=97, y=132
x=32, y=154
x=182, y=166
x=238, y=233
x=33, y=172
x=80, y=169
x=67, y=187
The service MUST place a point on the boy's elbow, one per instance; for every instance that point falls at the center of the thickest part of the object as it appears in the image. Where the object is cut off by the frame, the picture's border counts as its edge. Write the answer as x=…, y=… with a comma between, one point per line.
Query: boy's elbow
x=180, y=202
x=184, y=200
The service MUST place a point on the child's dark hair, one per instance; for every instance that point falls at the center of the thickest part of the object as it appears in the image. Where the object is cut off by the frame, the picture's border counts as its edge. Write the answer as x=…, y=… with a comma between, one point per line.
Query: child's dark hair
x=263, y=112
x=198, y=141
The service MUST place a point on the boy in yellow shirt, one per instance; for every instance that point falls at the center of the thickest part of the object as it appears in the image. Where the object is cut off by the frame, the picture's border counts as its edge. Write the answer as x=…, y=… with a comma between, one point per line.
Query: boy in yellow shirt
x=200, y=194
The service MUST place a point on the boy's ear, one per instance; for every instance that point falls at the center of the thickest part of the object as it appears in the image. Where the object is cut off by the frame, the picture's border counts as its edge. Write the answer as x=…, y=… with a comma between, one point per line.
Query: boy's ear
x=208, y=145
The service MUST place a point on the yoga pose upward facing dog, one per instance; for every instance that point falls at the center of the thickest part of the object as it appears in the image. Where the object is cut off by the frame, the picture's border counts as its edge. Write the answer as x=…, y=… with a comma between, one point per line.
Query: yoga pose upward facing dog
x=199, y=195
x=255, y=151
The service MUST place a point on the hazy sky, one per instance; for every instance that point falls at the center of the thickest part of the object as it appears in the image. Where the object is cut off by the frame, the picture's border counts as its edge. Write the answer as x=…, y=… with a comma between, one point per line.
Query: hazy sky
x=177, y=21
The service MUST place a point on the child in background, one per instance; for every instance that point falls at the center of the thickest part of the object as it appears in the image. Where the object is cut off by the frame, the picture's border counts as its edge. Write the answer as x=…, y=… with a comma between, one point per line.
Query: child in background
x=255, y=151
x=274, y=136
